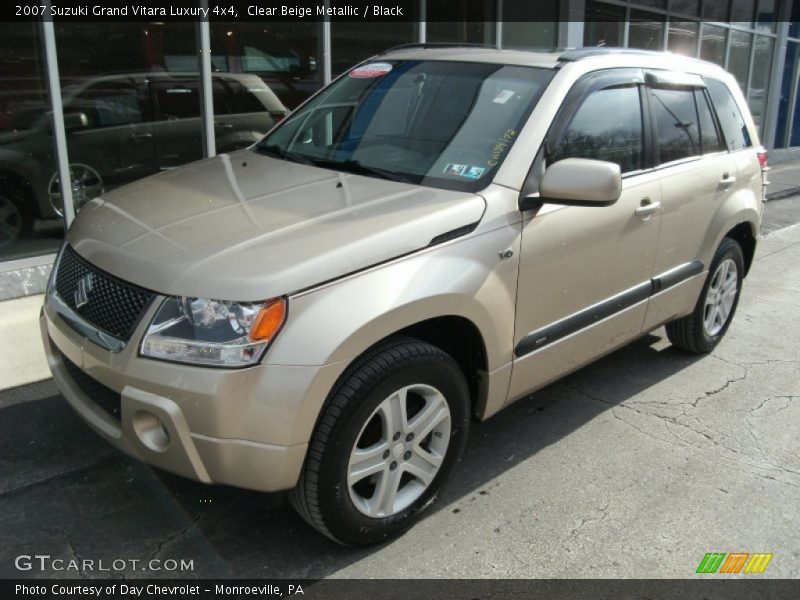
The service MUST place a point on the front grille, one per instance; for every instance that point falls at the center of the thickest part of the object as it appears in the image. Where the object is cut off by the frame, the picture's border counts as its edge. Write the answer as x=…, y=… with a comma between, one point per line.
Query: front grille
x=104, y=397
x=110, y=304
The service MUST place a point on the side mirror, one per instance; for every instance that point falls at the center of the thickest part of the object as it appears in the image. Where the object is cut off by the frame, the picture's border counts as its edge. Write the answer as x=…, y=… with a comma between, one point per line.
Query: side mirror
x=577, y=182
x=75, y=120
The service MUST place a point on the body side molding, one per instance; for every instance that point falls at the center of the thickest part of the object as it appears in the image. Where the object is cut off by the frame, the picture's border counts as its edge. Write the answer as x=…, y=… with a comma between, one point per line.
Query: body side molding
x=586, y=317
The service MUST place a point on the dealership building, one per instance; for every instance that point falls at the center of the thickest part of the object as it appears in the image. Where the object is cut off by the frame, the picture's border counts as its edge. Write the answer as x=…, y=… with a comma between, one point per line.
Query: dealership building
x=86, y=107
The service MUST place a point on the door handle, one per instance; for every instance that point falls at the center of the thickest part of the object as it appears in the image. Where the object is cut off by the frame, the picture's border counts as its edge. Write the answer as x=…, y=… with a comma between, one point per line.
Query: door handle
x=647, y=208
x=142, y=136
x=727, y=179
x=219, y=125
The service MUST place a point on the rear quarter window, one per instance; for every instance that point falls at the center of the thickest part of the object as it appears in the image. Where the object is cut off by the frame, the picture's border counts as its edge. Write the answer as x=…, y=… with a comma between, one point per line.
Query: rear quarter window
x=730, y=117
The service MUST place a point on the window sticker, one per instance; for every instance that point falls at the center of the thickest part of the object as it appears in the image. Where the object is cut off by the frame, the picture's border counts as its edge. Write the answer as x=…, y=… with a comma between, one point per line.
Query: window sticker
x=503, y=97
x=370, y=70
x=454, y=169
x=468, y=171
x=474, y=172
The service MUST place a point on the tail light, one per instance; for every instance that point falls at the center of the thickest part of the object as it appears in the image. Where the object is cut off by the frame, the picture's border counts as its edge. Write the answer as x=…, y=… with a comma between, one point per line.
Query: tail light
x=763, y=159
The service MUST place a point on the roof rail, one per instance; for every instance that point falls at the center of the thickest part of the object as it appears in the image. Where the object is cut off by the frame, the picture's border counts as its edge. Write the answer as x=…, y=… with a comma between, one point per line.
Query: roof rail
x=581, y=53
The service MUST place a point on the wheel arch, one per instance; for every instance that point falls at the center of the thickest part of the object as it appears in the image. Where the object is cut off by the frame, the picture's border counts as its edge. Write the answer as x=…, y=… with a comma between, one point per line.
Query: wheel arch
x=745, y=235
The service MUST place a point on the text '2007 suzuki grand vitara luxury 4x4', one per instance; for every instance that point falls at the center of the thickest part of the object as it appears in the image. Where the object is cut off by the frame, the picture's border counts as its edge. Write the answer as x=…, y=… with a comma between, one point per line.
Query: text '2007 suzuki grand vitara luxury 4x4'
x=434, y=235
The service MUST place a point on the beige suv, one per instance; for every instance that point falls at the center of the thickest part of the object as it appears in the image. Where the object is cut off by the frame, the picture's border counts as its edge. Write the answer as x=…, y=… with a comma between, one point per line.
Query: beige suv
x=433, y=236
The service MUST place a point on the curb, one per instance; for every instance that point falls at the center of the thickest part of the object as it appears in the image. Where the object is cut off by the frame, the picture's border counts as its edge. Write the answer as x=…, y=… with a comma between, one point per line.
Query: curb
x=780, y=195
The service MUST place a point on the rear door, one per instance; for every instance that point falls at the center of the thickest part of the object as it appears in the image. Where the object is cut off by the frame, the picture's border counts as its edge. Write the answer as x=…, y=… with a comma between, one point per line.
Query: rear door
x=584, y=278
x=697, y=174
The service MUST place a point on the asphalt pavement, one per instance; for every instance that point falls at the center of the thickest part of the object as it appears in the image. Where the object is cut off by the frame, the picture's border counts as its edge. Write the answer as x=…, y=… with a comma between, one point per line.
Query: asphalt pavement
x=635, y=466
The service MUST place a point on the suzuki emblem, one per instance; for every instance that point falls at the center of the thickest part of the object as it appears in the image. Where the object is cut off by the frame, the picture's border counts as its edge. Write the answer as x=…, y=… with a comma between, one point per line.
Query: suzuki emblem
x=85, y=285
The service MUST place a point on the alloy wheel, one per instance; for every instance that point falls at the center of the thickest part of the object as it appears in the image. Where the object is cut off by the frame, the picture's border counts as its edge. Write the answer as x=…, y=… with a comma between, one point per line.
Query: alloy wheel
x=720, y=297
x=399, y=450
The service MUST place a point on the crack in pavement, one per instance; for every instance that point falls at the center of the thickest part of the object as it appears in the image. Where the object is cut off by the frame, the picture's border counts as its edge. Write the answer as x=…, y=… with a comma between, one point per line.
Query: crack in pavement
x=172, y=537
x=743, y=454
x=70, y=544
x=603, y=511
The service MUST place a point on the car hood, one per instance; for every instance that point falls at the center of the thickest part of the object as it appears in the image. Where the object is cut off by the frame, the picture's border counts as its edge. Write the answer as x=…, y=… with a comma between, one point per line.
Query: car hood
x=245, y=226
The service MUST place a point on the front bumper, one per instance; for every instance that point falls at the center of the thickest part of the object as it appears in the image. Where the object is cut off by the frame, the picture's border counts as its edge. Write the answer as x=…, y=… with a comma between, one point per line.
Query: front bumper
x=233, y=427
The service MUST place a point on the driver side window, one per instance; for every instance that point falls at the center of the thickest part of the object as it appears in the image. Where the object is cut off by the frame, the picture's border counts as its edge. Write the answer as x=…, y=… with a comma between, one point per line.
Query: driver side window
x=607, y=126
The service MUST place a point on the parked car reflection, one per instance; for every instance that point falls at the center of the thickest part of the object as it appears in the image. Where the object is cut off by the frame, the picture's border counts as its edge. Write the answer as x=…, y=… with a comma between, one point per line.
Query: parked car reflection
x=120, y=128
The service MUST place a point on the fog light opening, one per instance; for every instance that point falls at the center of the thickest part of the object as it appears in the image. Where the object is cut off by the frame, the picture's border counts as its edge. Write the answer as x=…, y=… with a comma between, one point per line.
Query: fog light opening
x=151, y=431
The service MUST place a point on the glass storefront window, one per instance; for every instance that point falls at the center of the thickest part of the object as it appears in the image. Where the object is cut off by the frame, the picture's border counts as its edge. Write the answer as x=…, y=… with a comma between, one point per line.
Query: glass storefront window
x=353, y=42
x=739, y=57
x=128, y=113
x=765, y=19
x=286, y=57
x=788, y=99
x=742, y=12
x=661, y=4
x=759, y=81
x=682, y=37
x=530, y=25
x=715, y=11
x=794, y=20
x=605, y=24
x=646, y=31
x=28, y=224
x=467, y=21
x=685, y=7
x=712, y=43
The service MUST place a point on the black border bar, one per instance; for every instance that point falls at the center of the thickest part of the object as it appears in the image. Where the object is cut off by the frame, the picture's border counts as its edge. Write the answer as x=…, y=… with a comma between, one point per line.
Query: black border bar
x=476, y=11
x=709, y=587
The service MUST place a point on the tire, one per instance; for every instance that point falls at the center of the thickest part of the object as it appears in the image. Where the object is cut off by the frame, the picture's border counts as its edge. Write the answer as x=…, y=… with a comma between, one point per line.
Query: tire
x=698, y=332
x=15, y=222
x=356, y=422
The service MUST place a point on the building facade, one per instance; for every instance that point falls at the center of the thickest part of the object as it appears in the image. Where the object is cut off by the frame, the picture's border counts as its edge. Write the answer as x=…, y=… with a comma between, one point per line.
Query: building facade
x=75, y=121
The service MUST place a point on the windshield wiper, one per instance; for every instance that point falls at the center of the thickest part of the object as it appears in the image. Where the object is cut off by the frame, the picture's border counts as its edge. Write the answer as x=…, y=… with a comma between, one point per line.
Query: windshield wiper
x=279, y=152
x=354, y=166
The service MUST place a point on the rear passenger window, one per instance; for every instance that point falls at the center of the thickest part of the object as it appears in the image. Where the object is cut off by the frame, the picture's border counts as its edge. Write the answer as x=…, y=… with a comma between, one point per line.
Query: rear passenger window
x=730, y=118
x=677, y=128
x=709, y=136
x=607, y=126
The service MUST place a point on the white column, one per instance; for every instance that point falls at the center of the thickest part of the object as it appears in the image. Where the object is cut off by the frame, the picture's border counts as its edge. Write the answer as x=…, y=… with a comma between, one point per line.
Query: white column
x=206, y=89
x=59, y=133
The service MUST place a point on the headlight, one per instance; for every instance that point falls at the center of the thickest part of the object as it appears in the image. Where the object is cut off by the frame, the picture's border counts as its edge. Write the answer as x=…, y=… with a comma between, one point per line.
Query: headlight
x=213, y=332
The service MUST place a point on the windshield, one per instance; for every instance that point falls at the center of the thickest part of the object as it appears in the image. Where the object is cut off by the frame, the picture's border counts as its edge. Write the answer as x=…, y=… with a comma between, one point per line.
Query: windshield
x=435, y=123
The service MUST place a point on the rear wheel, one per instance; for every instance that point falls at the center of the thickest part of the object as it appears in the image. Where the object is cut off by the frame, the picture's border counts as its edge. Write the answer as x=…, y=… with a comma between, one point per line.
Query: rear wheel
x=702, y=330
x=388, y=438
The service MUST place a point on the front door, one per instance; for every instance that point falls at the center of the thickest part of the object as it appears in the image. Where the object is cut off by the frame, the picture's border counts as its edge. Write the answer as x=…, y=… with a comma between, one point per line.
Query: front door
x=585, y=272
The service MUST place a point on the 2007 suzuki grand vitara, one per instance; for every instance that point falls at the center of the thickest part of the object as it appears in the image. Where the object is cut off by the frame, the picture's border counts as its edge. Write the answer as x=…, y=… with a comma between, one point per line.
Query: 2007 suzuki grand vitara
x=434, y=235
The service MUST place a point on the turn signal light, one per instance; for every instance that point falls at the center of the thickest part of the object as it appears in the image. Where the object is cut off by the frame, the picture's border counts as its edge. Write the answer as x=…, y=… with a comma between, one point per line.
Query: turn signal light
x=268, y=321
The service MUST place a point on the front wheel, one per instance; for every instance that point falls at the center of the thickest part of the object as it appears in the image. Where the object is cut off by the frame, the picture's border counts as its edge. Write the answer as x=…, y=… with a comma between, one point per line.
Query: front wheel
x=387, y=440
x=702, y=330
